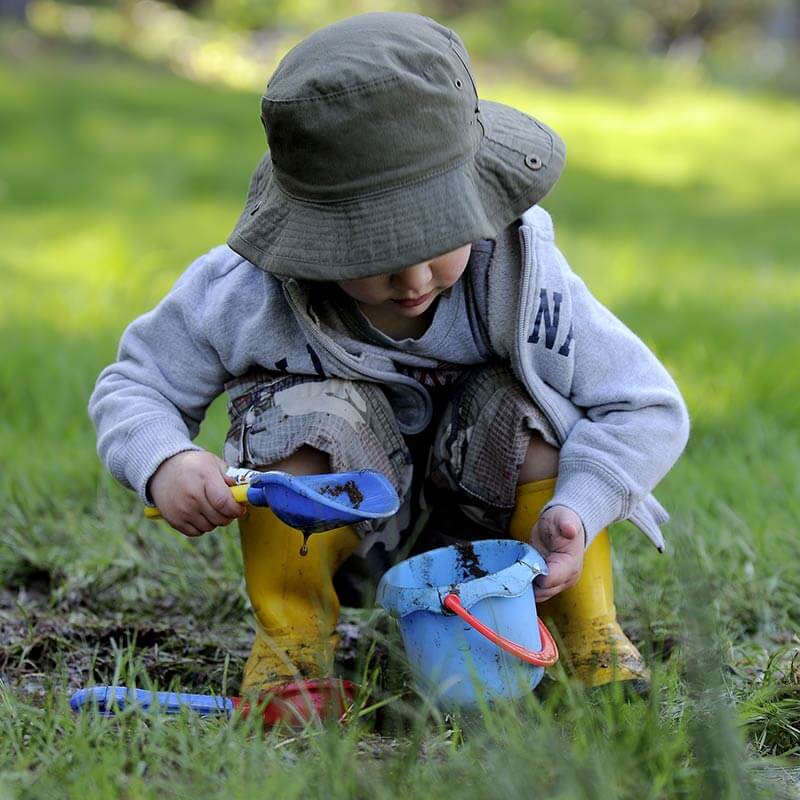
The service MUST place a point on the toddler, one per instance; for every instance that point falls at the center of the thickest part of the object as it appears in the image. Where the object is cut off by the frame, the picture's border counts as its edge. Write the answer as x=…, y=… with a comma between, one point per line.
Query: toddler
x=391, y=298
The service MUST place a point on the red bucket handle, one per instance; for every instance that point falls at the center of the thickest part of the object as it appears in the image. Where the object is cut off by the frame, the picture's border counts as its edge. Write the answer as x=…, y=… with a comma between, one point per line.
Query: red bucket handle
x=546, y=657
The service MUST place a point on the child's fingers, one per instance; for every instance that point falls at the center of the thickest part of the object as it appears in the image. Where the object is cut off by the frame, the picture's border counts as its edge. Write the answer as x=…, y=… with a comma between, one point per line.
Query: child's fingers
x=212, y=508
x=565, y=524
x=567, y=529
x=194, y=516
x=545, y=592
x=229, y=507
x=188, y=522
x=209, y=519
x=551, y=584
x=220, y=506
x=557, y=533
x=189, y=530
x=219, y=494
x=223, y=470
x=563, y=571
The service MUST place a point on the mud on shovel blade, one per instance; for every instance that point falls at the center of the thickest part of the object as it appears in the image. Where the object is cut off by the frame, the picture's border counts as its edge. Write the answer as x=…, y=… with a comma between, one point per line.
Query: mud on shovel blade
x=314, y=503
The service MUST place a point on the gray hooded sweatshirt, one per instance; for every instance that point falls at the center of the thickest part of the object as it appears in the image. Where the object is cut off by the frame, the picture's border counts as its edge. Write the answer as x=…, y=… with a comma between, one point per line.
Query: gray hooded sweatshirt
x=617, y=414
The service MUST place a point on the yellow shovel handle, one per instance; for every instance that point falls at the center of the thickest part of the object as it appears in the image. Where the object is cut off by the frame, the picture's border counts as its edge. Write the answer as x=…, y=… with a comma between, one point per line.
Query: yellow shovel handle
x=239, y=493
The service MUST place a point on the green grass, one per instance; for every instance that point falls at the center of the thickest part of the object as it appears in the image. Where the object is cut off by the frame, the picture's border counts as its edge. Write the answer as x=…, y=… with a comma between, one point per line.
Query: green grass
x=679, y=206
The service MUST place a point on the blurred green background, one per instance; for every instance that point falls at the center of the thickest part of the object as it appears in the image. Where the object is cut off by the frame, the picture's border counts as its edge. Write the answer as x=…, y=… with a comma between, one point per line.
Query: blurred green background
x=129, y=132
x=566, y=42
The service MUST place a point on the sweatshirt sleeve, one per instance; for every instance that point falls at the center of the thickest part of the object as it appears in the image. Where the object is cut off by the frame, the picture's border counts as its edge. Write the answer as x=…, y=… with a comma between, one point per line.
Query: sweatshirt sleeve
x=148, y=405
x=635, y=423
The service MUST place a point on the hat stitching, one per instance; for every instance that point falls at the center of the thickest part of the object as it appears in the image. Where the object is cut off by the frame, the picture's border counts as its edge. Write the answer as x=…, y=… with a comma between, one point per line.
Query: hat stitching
x=351, y=90
x=379, y=192
x=466, y=68
x=361, y=87
x=514, y=149
x=296, y=260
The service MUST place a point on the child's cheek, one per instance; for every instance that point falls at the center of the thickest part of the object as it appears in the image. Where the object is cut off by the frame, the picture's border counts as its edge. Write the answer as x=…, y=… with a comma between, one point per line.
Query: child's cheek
x=365, y=290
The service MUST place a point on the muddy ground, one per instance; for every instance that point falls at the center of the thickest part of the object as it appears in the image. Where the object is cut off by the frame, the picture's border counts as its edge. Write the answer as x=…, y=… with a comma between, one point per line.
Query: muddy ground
x=43, y=643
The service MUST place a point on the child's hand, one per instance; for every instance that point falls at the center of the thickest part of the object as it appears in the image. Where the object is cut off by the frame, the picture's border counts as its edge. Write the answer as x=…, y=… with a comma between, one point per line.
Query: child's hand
x=558, y=535
x=192, y=494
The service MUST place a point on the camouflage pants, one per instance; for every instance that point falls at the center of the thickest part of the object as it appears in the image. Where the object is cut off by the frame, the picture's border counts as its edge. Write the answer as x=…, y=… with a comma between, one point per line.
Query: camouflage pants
x=456, y=480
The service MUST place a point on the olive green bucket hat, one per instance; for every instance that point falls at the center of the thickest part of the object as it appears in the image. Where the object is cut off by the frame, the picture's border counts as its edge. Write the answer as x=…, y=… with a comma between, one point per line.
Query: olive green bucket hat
x=381, y=155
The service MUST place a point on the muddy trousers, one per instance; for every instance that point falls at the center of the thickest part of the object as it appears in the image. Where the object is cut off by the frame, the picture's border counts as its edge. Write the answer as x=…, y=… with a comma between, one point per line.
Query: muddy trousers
x=592, y=641
x=293, y=598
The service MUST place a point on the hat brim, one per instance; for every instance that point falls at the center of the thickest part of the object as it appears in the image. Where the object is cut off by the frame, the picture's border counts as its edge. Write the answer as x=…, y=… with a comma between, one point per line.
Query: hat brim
x=517, y=162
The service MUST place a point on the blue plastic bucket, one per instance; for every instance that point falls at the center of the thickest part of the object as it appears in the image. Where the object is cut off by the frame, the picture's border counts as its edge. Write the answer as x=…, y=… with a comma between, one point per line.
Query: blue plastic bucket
x=468, y=620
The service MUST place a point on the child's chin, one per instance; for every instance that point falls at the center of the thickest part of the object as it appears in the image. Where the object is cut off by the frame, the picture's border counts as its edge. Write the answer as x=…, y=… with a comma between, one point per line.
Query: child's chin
x=413, y=311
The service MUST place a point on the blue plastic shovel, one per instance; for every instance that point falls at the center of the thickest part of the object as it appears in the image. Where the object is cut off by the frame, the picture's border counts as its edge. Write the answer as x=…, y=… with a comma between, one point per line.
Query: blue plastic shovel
x=314, y=503
x=292, y=703
x=110, y=699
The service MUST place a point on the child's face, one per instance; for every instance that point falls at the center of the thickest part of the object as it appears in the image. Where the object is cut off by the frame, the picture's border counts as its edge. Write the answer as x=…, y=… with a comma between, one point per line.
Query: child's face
x=410, y=292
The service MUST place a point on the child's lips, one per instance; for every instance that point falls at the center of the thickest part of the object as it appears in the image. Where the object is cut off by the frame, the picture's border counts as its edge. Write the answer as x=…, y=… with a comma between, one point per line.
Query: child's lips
x=417, y=301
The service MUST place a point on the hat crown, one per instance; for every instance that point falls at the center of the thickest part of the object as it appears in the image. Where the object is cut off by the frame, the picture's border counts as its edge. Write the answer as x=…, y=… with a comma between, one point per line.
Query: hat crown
x=369, y=104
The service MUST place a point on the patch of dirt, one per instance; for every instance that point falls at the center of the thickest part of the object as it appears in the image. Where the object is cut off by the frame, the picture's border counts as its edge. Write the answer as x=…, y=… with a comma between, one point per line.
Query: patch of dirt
x=42, y=645
x=468, y=561
x=33, y=580
x=39, y=644
x=349, y=488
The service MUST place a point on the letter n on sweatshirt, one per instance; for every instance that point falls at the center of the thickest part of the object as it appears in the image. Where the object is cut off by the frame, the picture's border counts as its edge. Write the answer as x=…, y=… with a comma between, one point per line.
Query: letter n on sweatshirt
x=550, y=321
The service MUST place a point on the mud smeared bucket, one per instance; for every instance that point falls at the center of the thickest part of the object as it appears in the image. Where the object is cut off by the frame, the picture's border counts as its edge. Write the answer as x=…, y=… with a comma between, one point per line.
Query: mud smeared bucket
x=468, y=620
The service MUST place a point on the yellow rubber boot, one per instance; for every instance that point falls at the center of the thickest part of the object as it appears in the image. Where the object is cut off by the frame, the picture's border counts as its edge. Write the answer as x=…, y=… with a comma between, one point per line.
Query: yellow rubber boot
x=584, y=614
x=295, y=604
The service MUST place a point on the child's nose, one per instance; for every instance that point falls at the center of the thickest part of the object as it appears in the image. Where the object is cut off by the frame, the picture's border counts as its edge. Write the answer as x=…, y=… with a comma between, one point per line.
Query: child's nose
x=415, y=278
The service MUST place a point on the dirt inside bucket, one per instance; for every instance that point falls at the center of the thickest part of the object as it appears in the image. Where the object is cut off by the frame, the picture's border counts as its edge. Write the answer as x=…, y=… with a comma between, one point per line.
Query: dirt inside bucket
x=469, y=562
